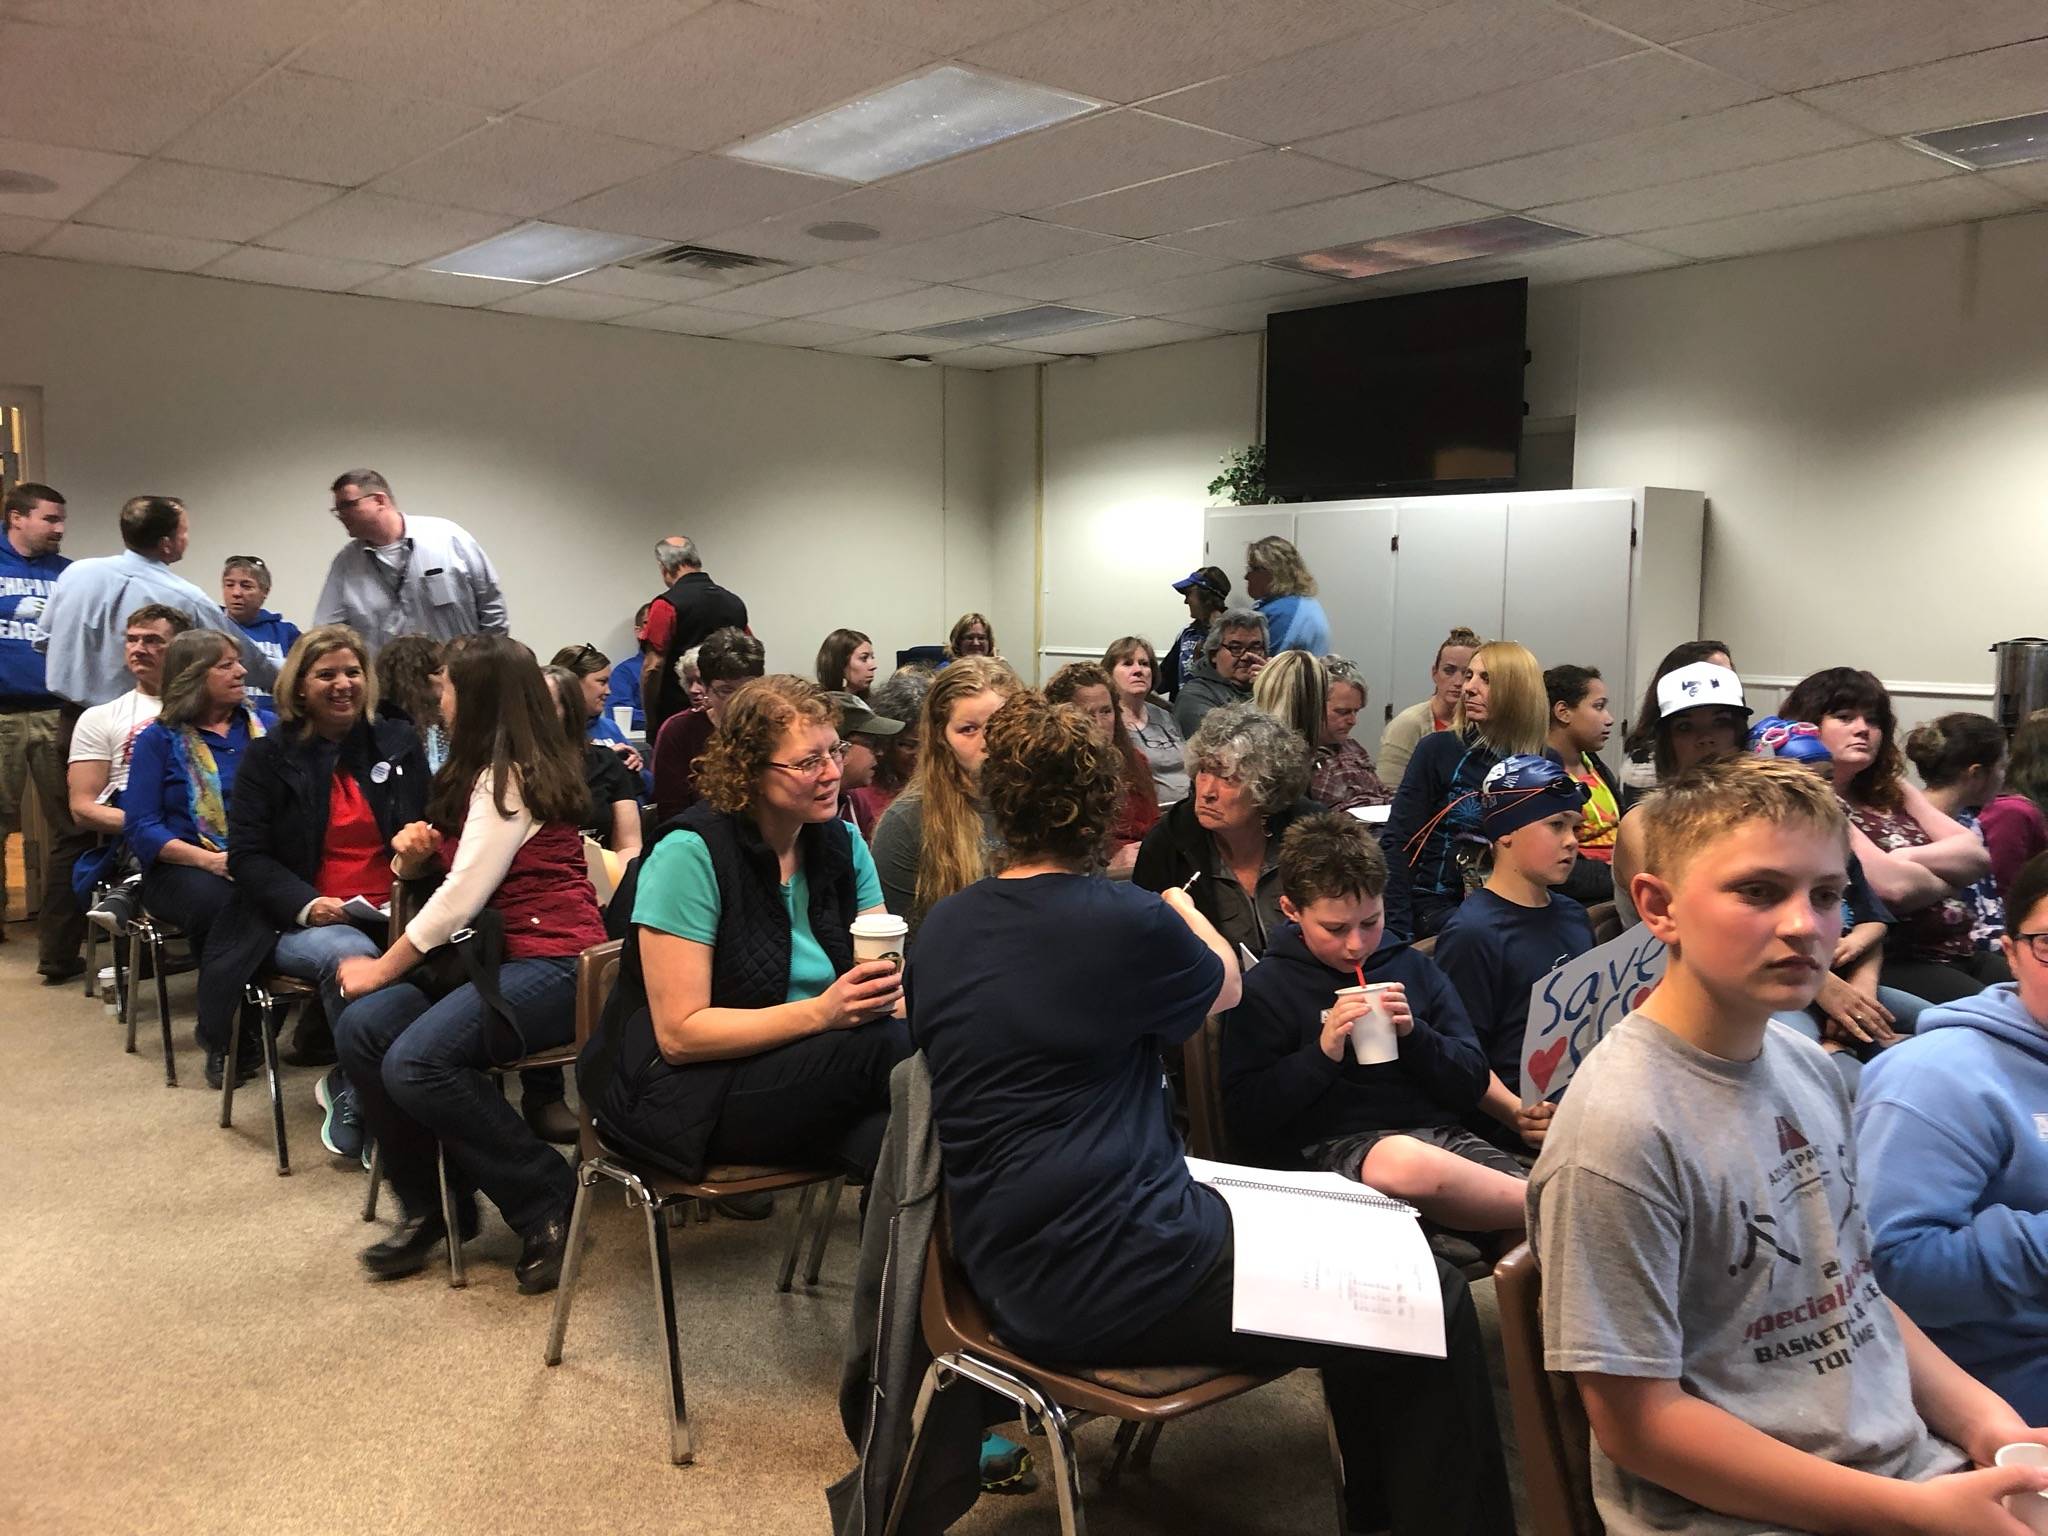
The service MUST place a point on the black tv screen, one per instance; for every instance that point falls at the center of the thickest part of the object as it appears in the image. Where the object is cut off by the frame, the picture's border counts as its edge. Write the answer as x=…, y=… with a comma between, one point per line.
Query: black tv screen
x=1418, y=392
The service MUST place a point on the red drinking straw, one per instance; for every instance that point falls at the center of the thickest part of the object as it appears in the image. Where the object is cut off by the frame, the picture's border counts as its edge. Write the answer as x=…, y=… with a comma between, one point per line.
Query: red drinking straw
x=1360, y=969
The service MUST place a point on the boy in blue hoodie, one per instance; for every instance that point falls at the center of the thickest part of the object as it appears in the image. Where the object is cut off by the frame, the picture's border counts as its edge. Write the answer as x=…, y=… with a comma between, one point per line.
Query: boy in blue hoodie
x=244, y=588
x=1293, y=1090
x=1952, y=1128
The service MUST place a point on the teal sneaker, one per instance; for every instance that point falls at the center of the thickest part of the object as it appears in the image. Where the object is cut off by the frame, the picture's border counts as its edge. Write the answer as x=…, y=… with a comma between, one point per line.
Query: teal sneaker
x=1005, y=1466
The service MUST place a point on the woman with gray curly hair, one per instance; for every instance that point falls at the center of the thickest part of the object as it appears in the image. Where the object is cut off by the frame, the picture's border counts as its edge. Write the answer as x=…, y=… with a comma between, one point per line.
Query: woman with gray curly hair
x=1221, y=844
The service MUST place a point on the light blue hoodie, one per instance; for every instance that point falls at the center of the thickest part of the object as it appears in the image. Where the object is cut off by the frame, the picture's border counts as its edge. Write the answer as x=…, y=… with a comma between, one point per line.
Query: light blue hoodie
x=1296, y=624
x=1952, y=1136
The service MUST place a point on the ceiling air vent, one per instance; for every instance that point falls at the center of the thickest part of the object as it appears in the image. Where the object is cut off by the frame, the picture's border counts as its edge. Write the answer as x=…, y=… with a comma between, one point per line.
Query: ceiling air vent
x=703, y=261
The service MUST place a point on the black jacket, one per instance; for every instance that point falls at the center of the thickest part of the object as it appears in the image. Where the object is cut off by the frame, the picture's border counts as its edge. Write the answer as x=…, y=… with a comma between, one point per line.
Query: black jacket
x=665, y=1114
x=277, y=833
x=701, y=605
x=1179, y=847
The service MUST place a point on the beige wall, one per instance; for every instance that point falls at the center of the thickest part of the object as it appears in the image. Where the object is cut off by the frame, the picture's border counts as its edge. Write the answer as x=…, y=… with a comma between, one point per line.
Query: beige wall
x=814, y=484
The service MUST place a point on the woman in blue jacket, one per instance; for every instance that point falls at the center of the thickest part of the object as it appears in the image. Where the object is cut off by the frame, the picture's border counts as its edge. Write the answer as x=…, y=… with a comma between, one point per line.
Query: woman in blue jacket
x=1286, y=594
x=1952, y=1132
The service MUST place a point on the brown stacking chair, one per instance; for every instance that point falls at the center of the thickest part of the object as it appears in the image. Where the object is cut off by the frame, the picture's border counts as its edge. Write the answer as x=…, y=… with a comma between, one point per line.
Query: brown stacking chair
x=1550, y=1421
x=272, y=995
x=964, y=1347
x=1605, y=917
x=657, y=1192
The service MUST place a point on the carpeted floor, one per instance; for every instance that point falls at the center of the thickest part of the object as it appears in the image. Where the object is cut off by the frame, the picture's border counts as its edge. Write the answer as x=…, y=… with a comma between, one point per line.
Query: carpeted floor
x=189, y=1346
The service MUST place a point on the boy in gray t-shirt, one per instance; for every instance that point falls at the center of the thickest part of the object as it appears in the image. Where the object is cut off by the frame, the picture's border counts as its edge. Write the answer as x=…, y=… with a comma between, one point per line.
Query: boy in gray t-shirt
x=1706, y=1266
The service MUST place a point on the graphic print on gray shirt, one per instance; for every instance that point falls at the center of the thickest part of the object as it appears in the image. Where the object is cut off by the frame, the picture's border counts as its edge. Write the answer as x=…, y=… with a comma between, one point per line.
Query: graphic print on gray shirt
x=1697, y=1220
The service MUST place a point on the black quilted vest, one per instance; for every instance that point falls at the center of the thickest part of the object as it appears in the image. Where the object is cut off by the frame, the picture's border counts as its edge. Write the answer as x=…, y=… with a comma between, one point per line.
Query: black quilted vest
x=664, y=1114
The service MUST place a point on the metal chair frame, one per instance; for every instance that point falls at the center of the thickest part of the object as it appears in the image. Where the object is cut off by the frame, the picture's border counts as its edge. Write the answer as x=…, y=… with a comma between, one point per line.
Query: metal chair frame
x=272, y=997
x=146, y=938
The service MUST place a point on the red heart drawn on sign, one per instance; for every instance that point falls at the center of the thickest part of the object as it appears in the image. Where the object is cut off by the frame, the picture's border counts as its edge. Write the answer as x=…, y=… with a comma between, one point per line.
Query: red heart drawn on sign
x=1642, y=996
x=1543, y=1065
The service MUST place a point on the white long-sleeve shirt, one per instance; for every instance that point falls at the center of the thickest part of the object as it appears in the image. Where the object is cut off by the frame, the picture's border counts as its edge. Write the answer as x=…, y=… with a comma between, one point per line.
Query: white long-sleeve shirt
x=490, y=842
x=446, y=586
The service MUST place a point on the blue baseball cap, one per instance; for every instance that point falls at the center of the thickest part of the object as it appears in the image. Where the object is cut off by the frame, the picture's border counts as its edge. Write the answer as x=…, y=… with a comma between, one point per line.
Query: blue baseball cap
x=1524, y=788
x=1795, y=740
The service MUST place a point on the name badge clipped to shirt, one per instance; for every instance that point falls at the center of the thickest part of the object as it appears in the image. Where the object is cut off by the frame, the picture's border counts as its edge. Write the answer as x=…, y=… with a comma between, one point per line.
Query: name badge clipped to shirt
x=379, y=772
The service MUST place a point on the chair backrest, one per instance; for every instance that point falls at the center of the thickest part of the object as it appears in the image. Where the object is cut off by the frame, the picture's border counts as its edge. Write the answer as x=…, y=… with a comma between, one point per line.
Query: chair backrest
x=596, y=969
x=1425, y=946
x=1605, y=917
x=407, y=898
x=599, y=864
x=1550, y=1421
x=1201, y=1070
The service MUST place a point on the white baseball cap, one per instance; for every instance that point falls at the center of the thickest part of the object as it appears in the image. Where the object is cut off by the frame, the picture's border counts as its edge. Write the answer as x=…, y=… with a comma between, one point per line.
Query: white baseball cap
x=1695, y=687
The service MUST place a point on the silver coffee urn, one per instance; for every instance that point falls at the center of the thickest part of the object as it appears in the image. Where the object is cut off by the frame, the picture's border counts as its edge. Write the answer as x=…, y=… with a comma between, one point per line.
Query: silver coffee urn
x=2022, y=679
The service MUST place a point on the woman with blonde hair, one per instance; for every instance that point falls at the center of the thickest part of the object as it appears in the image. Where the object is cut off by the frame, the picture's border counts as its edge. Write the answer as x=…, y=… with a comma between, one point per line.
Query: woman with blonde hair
x=935, y=837
x=972, y=635
x=1087, y=687
x=1433, y=839
x=1285, y=592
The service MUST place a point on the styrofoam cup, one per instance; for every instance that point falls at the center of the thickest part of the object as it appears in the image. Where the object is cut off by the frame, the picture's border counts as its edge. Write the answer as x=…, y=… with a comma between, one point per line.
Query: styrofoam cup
x=1373, y=1040
x=2030, y=1509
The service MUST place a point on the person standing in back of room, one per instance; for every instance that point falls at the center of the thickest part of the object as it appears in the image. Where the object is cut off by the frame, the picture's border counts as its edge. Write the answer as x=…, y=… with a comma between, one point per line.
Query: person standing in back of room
x=1207, y=594
x=244, y=589
x=405, y=575
x=691, y=608
x=1281, y=585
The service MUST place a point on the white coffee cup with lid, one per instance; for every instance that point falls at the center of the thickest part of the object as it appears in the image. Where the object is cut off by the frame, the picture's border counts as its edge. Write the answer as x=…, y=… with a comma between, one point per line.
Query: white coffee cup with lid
x=622, y=717
x=2030, y=1509
x=879, y=936
x=1373, y=1040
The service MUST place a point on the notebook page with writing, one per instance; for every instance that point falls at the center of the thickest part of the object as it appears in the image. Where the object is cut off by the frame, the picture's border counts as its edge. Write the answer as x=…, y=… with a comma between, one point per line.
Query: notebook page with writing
x=1325, y=1258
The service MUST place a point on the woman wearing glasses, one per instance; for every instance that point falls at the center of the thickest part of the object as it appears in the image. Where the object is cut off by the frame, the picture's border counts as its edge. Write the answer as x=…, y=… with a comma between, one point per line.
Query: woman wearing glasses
x=1232, y=655
x=742, y=1029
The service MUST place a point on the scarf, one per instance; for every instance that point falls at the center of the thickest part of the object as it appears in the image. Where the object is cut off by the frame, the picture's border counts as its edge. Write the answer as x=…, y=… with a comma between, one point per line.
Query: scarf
x=202, y=778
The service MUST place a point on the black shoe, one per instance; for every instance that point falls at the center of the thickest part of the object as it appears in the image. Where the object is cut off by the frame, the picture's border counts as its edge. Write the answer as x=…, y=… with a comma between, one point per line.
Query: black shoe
x=248, y=1062
x=745, y=1207
x=411, y=1243
x=553, y=1121
x=69, y=970
x=540, y=1256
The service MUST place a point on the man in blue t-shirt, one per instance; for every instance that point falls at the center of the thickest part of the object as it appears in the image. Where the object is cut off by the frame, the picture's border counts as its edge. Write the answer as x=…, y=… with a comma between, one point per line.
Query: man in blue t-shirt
x=244, y=588
x=1504, y=937
x=31, y=726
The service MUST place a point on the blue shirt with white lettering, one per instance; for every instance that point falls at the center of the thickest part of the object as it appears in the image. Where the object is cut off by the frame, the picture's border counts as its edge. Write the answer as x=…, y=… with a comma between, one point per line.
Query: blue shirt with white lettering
x=25, y=584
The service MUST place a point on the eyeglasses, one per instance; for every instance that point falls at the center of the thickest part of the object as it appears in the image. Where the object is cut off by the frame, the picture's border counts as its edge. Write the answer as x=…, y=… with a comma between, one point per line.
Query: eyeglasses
x=814, y=765
x=341, y=506
x=1242, y=647
x=585, y=652
x=2037, y=944
x=250, y=560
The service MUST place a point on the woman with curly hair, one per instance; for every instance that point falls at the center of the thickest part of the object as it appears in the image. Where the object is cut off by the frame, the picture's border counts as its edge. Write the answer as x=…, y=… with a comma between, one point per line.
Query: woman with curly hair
x=1918, y=860
x=742, y=1030
x=1087, y=687
x=1041, y=1000
x=412, y=682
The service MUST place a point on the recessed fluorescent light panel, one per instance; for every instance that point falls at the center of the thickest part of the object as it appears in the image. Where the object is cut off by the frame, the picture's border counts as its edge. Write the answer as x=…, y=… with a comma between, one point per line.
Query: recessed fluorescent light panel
x=1501, y=236
x=542, y=253
x=1015, y=324
x=933, y=117
x=1982, y=146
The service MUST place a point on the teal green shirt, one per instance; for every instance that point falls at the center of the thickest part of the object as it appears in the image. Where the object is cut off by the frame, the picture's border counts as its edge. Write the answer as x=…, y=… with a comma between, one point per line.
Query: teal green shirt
x=678, y=894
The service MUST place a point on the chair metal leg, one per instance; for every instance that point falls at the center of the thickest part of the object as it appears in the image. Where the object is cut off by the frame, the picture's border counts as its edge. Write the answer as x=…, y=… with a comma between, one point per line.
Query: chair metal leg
x=1126, y=1432
x=822, y=1233
x=572, y=1262
x=92, y=959
x=458, y=1277
x=796, y=1237
x=272, y=1014
x=935, y=1377
x=680, y=1450
x=1059, y=1432
x=134, y=979
x=232, y=1069
x=163, y=1007
x=1148, y=1442
x=376, y=1180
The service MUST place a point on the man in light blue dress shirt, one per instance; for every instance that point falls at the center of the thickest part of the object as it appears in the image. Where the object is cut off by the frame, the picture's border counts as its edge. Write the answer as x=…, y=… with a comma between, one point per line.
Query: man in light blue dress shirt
x=405, y=575
x=84, y=618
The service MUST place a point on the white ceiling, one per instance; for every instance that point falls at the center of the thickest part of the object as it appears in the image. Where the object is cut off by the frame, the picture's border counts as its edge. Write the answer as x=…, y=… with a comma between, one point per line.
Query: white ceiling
x=339, y=144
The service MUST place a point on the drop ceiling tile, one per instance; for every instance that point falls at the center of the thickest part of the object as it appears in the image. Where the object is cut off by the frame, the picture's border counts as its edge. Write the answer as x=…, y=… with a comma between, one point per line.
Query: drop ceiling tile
x=1671, y=21
x=1215, y=194
x=563, y=304
x=1852, y=38
x=163, y=197
x=1621, y=96
x=896, y=344
x=1391, y=210
x=655, y=287
x=523, y=168
x=1593, y=258
x=126, y=248
x=2000, y=82
x=899, y=220
x=799, y=333
x=437, y=288
x=260, y=30
x=18, y=234
x=1251, y=315
x=728, y=72
x=2029, y=181
x=1120, y=336
x=808, y=293
x=487, y=53
x=1952, y=200
x=1074, y=160
x=80, y=174
x=87, y=91
x=1753, y=189
x=287, y=269
x=921, y=306
x=1205, y=290
x=1126, y=50
x=986, y=358
x=937, y=26
x=688, y=320
x=1122, y=266
x=1459, y=50
x=994, y=247
x=322, y=130
x=368, y=227
x=1755, y=134
x=691, y=200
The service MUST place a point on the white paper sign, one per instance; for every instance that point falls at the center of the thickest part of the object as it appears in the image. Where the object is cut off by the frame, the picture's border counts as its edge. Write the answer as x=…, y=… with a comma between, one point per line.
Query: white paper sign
x=1572, y=1007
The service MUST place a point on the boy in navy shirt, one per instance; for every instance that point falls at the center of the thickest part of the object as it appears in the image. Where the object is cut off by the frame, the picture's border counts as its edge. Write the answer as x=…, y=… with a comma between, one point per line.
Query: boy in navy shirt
x=1294, y=1091
x=244, y=588
x=1519, y=926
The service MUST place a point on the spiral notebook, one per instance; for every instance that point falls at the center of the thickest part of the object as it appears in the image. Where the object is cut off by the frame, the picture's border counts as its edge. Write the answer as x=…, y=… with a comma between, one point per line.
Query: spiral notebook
x=1325, y=1258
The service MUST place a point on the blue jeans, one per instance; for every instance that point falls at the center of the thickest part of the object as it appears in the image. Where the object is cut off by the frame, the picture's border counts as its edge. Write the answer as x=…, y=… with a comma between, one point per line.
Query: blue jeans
x=311, y=954
x=421, y=1070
